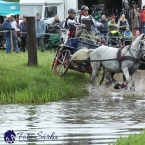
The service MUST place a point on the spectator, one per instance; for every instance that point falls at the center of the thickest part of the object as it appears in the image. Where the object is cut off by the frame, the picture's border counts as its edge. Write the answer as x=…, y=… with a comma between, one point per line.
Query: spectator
x=40, y=31
x=133, y=11
x=7, y=26
x=104, y=30
x=13, y=22
x=137, y=33
x=23, y=34
x=137, y=17
x=142, y=18
x=128, y=15
x=56, y=23
x=122, y=23
x=15, y=26
x=112, y=24
x=127, y=34
x=90, y=10
x=103, y=12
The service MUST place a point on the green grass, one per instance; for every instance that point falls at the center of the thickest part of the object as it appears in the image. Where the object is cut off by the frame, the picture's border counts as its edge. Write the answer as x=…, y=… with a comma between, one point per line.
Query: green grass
x=133, y=139
x=20, y=83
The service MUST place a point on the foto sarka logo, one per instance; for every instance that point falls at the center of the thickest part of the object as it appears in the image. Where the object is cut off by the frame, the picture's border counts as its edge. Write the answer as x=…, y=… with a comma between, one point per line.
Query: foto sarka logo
x=9, y=137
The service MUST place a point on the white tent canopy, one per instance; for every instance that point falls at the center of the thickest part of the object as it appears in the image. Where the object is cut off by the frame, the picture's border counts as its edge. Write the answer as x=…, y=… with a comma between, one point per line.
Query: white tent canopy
x=38, y=2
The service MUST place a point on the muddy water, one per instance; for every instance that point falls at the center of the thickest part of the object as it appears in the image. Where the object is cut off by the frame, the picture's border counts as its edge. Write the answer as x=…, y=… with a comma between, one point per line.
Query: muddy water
x=88, y=120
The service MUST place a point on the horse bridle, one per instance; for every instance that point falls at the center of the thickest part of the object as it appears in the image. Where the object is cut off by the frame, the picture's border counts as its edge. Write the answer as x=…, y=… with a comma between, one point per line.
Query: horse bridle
x=140, y=48
x=141, y=44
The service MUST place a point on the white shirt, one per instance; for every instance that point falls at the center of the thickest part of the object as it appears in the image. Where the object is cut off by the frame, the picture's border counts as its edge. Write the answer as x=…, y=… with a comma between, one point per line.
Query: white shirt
x=69, y=21
x=14, y=24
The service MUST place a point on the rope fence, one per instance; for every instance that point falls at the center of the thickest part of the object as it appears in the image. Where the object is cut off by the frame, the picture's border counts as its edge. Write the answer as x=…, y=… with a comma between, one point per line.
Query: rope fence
x=99, y=35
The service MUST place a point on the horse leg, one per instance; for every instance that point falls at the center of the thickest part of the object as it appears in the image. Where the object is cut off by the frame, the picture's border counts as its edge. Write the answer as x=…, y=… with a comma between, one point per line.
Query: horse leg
x=127, y=79
x=109, y=77
x=124, y=79
x=95, y=69
x=133, y=81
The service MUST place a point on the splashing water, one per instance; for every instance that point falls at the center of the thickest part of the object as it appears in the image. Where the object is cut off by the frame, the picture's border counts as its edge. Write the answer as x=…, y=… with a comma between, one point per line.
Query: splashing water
x=102, y=91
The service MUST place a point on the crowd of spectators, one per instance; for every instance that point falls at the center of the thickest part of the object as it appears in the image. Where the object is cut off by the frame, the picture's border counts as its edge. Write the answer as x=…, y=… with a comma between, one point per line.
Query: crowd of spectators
x=126, y=27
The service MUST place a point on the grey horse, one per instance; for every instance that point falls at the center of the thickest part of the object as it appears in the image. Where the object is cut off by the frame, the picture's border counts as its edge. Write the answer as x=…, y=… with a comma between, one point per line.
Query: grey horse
x=127, y=64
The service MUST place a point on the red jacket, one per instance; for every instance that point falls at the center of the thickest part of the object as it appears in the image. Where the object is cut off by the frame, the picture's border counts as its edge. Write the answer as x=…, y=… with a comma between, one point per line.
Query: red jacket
x=142, y=15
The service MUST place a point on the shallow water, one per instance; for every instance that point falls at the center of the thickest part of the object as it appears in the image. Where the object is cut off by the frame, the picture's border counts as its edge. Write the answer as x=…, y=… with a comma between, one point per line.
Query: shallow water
x=88, y=120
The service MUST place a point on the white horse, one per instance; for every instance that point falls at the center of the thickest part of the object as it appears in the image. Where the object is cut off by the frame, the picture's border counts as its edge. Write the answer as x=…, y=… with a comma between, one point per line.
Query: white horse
x=128, y=63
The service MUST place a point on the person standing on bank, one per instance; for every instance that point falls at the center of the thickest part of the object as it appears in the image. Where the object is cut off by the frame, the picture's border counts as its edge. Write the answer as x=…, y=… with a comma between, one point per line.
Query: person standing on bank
x=23, y=33
x=7, y=27
x=112, y=25
x=15, y=26
x=56, y=23
x=127, y=36
x=122, y=23
x=40, y=31
x=142, y=18
x=104, y=30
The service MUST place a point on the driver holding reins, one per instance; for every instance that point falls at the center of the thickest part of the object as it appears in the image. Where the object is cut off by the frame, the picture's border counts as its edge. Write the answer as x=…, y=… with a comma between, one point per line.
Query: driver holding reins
x=86, y=22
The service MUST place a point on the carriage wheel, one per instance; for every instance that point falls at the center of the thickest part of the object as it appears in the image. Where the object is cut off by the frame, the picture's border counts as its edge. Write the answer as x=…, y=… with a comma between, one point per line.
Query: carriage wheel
x=62, y=63
x=54, y=61
x=100, y=77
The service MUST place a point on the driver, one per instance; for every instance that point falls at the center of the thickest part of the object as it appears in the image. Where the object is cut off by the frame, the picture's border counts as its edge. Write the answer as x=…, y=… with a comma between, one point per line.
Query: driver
x=69, y=25
x=86, y=22
x=56, y=23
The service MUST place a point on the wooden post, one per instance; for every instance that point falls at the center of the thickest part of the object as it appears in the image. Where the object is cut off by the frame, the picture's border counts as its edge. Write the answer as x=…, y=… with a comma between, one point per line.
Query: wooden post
x=31, y=41
x=12, y=45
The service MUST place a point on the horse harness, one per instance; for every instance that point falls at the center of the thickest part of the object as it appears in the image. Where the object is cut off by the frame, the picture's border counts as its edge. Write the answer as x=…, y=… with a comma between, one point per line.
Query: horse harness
x=121, y=58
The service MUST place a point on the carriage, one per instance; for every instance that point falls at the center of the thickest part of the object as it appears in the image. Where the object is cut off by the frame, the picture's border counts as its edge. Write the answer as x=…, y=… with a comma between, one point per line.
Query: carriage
x=62, y=61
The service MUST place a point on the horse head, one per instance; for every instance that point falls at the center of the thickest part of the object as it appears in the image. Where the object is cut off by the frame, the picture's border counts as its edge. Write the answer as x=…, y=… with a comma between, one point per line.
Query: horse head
x=142, y=46
x=139, y=45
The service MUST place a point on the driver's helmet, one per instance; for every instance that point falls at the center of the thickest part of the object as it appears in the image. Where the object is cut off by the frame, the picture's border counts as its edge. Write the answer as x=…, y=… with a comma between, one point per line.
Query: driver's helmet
x=84, y=7
x=72, y=11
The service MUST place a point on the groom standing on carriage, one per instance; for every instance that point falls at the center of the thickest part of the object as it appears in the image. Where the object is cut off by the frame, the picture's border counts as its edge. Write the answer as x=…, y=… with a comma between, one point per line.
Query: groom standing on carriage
x=69, y=25
x=86, y=21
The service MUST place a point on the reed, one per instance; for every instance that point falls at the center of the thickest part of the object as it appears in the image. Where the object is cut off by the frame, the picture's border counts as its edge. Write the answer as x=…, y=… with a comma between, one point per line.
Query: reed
x=132, y=139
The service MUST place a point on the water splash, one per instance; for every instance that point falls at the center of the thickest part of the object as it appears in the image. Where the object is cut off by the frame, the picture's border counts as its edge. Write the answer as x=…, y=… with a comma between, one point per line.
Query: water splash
x=102, y=91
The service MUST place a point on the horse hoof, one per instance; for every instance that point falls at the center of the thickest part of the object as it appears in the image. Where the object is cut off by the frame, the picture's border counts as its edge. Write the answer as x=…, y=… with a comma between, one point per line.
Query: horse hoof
x=132, y=88
x=117, y=86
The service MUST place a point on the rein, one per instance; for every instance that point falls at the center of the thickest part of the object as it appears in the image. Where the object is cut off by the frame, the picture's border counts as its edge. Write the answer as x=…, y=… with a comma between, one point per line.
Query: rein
x=119, y=57
x=132, y=58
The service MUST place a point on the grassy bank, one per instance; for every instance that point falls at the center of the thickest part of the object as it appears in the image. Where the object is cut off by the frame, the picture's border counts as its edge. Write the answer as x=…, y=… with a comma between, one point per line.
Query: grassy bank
x=133, y=139
x=22, y=84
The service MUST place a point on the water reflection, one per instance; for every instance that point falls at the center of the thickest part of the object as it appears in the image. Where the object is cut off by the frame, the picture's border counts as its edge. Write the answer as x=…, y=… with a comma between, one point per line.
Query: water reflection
x=88, y=120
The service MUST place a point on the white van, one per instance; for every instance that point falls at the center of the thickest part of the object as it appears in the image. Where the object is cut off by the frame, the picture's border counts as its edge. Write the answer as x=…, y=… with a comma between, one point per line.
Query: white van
x=143, y=2
x=47, y=8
